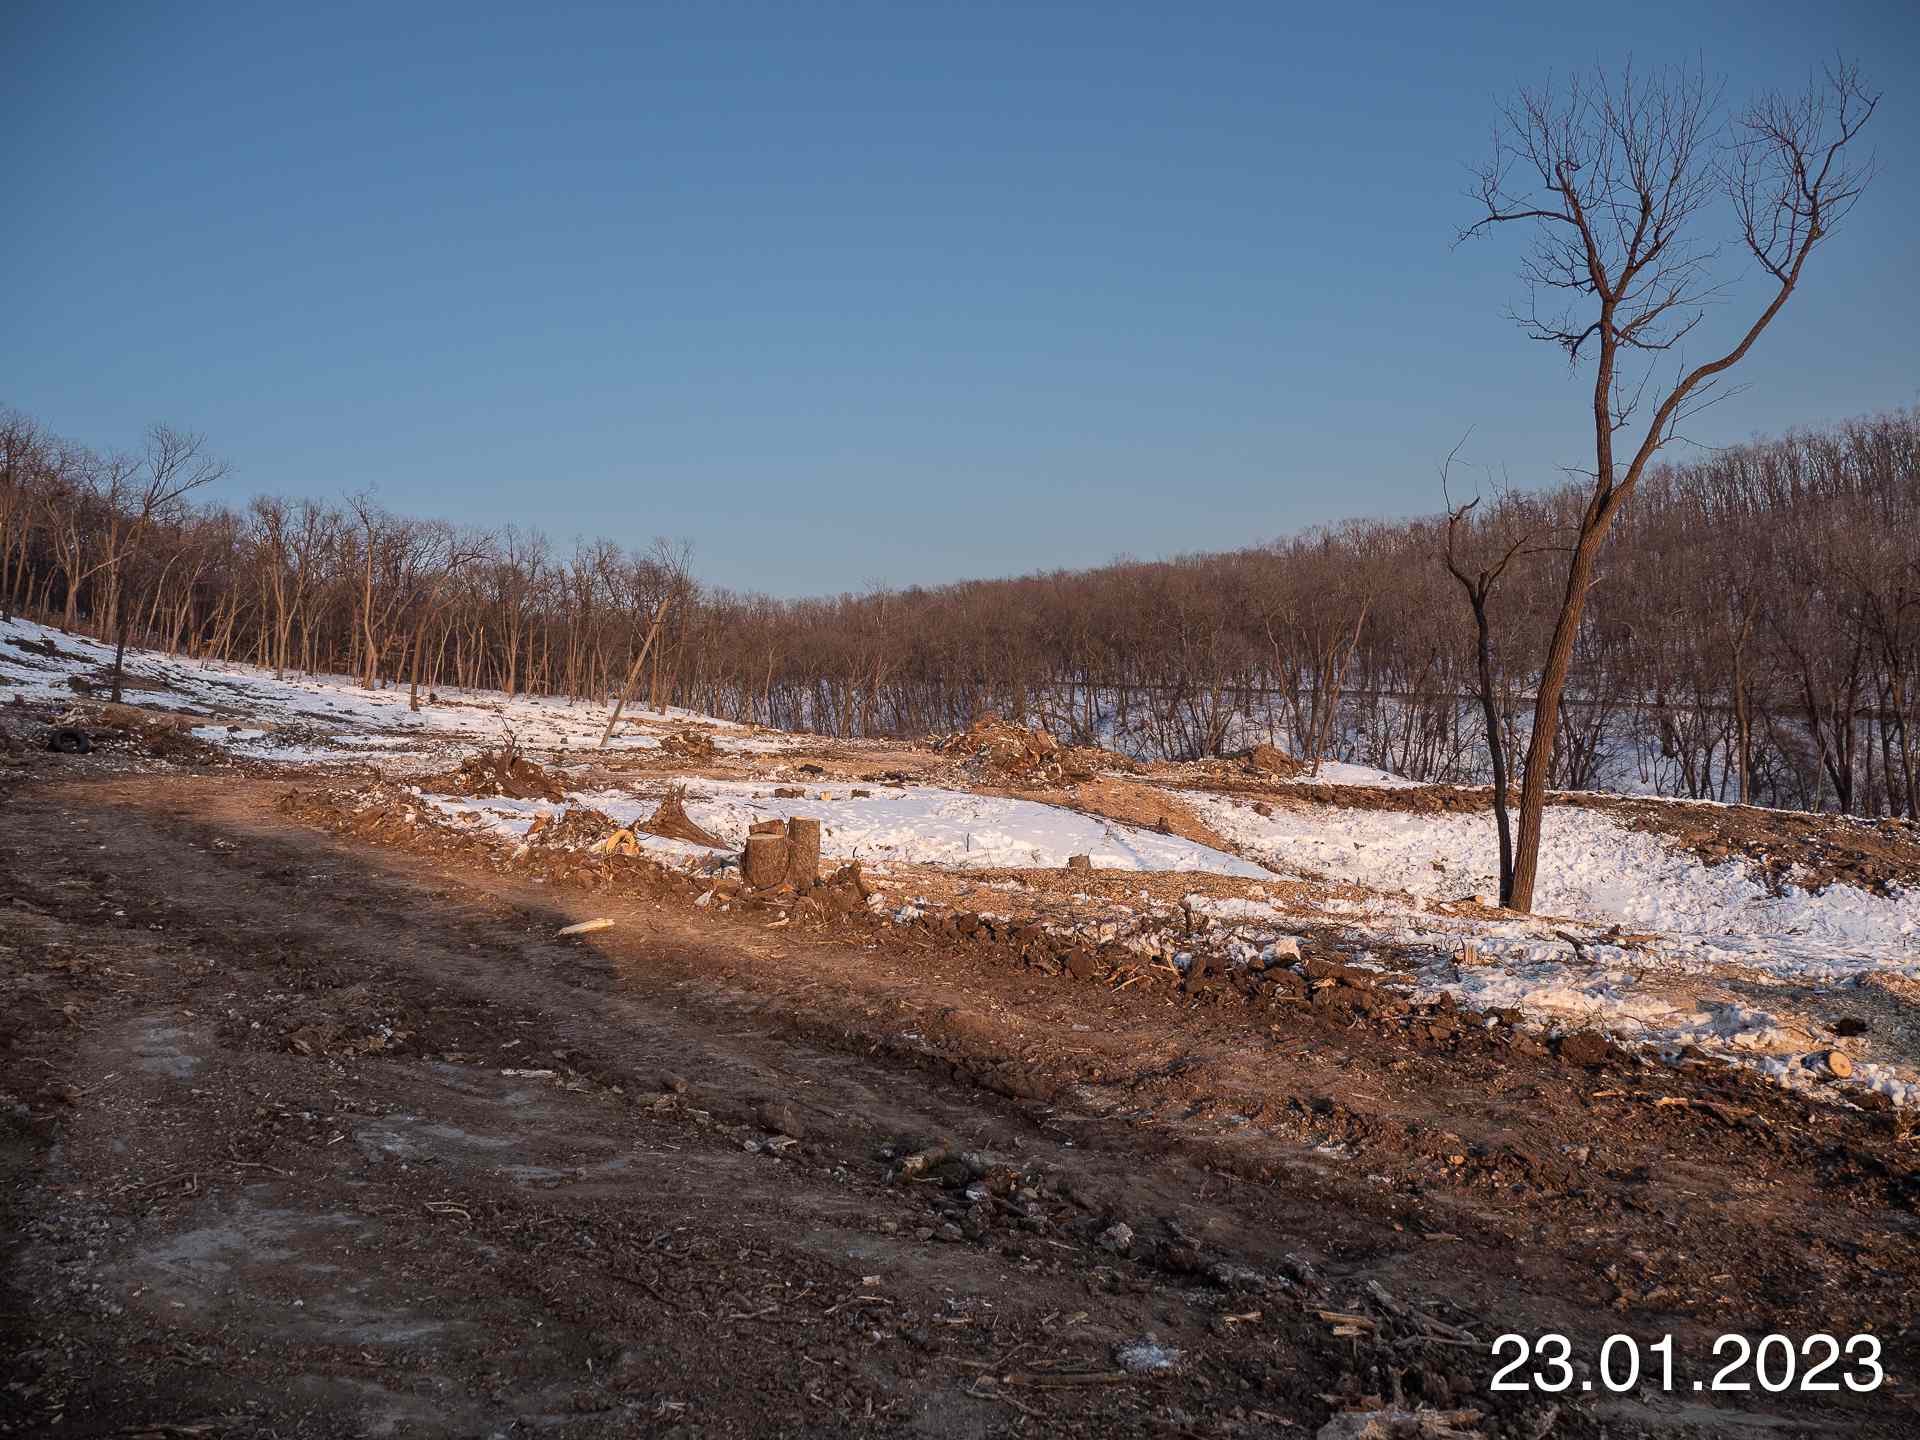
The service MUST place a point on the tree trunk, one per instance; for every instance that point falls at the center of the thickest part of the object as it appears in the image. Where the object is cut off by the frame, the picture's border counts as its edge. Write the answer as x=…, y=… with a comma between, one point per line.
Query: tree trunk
x=119, y=657
x=803, y=852
x=1496, y=753
x=1546, y=719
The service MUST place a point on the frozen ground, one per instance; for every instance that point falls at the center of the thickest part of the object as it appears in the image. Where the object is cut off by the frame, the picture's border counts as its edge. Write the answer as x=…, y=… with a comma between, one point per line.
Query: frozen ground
x=1716, y=944
x=1723, y=964
x=919, y=825
x=1339, y=772
x=300, y=718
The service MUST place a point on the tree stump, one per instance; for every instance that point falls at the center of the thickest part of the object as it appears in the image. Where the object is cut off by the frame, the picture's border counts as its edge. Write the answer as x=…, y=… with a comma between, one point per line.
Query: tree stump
x=1079, y=862
x=764, y=862
x=803, y=853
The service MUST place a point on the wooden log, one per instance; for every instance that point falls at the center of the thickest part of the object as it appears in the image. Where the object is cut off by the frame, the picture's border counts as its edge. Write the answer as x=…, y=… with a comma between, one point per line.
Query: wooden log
x=633, y=675
x=764, y=862
x=803, y=852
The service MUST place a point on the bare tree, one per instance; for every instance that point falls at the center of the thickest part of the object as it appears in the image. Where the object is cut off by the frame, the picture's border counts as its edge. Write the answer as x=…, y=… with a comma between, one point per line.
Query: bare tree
x=1617, y=179
x=1479, y=584
x=174, y=465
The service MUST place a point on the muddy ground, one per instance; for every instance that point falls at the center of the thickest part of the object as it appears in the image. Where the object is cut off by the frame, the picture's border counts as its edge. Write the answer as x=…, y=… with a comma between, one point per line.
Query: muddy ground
x=311, y=1136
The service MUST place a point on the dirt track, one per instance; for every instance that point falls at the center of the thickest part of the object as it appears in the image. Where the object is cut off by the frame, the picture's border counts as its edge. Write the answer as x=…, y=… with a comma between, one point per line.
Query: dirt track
x=269, y=1173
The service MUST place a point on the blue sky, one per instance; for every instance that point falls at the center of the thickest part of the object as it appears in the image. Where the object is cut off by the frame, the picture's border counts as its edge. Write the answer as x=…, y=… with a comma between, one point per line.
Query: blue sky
x=854, y=293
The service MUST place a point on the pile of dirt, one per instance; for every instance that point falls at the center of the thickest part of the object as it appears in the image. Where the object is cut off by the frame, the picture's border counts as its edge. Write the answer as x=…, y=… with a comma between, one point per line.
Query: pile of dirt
x=1272, y=760
x=1784, y=847
x=1002, y=752
x=689, y=745
x=135, y=730
x=498, y=773
x=1149, y=807
x=834, y=897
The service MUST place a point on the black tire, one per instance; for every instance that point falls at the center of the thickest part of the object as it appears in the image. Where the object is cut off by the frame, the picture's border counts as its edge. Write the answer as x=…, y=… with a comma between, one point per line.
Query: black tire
x=68, y=741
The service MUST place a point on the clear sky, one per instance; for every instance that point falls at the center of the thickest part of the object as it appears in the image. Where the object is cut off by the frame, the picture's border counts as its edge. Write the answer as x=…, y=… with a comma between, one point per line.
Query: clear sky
x=850, y=293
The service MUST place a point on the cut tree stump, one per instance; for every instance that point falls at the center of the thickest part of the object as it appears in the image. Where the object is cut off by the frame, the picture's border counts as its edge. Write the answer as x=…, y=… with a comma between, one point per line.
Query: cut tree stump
x=672, y=821
x=763, y=863
x=803, y=852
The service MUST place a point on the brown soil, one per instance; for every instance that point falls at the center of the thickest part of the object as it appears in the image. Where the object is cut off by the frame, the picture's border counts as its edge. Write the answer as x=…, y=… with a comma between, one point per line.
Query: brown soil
x=313, y=1136
x=498, y=773
x=689, y=745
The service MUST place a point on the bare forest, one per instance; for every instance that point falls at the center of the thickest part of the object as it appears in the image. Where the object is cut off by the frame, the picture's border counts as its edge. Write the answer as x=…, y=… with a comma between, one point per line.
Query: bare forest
x=1753, y=631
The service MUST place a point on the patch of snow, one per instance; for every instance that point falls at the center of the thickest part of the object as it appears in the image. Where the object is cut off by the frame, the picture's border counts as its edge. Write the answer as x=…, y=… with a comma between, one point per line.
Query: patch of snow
x=928, y=825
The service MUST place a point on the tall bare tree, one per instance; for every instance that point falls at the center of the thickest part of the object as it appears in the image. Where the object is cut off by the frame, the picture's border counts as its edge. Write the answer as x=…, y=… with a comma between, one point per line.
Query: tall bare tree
x=173, y=466
x=1618, y=180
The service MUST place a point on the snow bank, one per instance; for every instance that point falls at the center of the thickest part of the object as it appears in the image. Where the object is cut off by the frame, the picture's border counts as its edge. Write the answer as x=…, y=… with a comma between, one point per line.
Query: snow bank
x=1364, y=777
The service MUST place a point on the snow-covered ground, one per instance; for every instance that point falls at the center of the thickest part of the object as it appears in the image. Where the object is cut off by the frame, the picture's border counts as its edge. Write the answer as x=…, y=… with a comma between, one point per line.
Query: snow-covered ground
x=301, y=718
x=1339, y=772
x=1719, y=940
x=1592, y=868
x=919, y=824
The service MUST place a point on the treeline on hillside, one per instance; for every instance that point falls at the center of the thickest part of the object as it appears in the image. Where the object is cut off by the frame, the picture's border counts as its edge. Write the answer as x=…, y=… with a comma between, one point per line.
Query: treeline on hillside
x=1756, y=623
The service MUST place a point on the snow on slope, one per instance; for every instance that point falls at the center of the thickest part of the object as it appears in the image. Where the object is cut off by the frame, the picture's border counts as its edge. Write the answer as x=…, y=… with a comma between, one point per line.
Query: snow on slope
x=1591, y=868
x=1339, y=772
x=331, y=713
x=920, y=824
x=1722, y=940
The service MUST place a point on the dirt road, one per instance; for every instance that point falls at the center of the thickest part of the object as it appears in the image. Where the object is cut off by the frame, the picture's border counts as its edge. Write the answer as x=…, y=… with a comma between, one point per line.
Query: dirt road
x=308, y=1137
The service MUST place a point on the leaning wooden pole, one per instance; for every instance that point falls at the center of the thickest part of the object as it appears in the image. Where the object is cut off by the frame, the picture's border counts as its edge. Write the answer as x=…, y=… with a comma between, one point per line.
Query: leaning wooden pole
x=626, y=691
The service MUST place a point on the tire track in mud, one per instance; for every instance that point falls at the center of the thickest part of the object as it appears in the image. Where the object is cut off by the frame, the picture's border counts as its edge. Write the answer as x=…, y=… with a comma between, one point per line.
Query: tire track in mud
x=1136, y=1116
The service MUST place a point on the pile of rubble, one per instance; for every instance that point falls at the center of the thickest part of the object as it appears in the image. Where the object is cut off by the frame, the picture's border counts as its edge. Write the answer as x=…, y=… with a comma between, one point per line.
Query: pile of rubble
x=689, y=745
x=1272, y=760
x=997, y=751
x=498, y=774
x=578, y=827
x=85, y=727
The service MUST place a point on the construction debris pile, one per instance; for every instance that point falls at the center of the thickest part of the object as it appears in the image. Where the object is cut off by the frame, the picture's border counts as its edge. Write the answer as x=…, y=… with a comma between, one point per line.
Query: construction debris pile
x=997, y=751
x=498, y=773
x=689, y=745
x=578, y=827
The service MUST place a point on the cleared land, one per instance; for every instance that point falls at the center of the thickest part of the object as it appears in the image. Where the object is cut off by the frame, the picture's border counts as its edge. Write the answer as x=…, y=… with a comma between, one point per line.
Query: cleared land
x=319, y=1126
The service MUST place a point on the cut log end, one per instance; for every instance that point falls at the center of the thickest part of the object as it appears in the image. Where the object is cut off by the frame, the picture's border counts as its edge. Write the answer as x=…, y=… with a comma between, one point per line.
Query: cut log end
x=763, y=863
x=803, y=852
